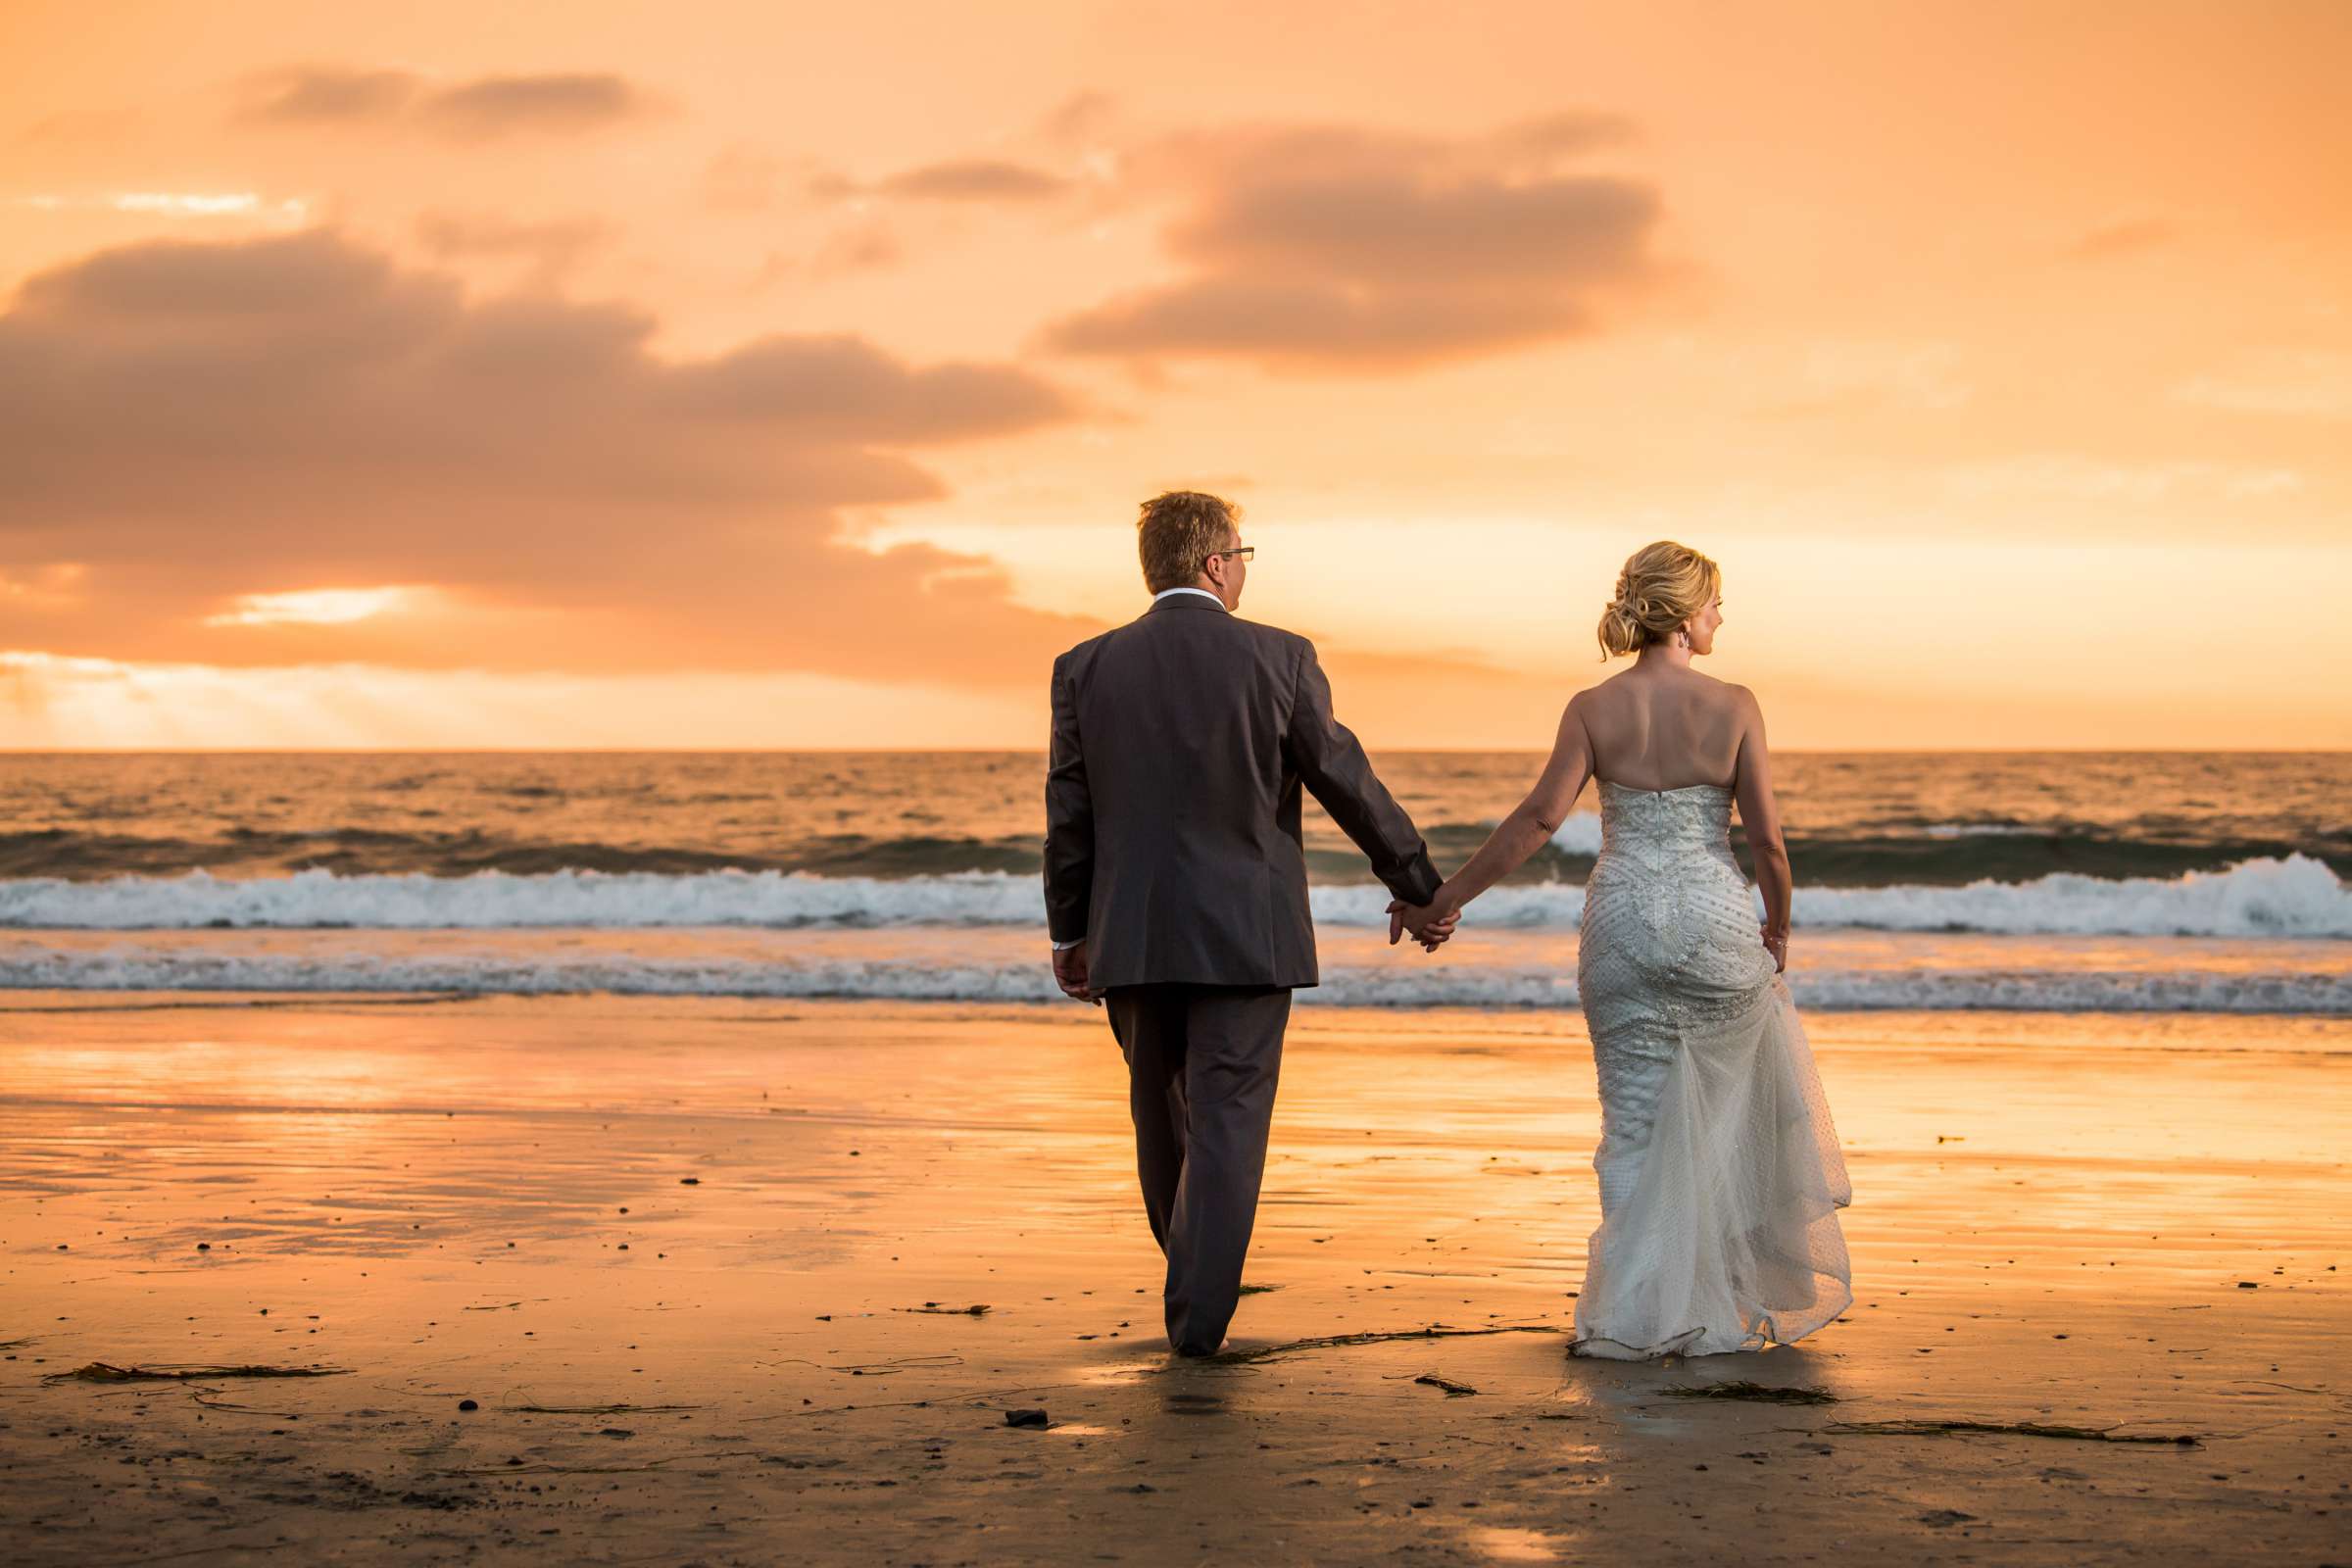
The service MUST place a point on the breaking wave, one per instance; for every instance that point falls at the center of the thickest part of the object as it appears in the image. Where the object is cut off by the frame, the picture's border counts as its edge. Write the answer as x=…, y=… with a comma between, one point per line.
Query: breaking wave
x=2297, y=897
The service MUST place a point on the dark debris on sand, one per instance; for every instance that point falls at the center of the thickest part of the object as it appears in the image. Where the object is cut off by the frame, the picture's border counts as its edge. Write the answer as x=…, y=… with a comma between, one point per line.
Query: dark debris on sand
x=2022, y=1429
x=1266, y=1353
x=106, y=1372
x=1761, y=1393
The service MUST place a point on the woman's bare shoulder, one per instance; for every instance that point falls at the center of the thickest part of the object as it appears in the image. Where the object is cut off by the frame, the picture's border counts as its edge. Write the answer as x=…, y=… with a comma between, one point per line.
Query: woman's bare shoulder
x=1588, y=700
x=1724, y=693
x=1634, y=686
x=1611, y=688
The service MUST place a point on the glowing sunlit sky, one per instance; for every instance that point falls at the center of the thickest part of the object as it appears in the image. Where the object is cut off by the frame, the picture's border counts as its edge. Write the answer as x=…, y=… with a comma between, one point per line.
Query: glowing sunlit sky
x=755, y=375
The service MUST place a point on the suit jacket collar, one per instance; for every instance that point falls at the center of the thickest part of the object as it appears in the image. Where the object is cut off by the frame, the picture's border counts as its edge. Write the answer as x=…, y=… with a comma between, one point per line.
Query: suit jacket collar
x=1187, y=602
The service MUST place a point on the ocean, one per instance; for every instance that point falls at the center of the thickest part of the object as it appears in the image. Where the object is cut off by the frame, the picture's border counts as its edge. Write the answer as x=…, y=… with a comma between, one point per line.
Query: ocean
x=2061, y=882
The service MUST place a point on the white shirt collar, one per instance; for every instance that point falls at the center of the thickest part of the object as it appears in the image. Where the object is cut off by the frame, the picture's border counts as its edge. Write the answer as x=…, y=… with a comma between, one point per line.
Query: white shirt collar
x=1202, y=592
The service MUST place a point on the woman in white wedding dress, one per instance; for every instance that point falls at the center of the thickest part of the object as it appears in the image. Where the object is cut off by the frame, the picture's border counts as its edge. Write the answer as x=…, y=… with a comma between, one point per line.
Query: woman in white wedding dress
x=1720, y=1172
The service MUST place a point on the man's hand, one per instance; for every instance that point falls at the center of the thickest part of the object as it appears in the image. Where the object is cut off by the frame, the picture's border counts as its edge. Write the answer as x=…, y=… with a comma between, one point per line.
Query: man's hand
x=1431, y=924
x=1069, y=973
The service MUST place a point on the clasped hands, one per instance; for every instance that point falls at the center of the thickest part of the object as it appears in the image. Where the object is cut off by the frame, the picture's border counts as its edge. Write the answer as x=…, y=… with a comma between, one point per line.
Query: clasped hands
x=1431, y=924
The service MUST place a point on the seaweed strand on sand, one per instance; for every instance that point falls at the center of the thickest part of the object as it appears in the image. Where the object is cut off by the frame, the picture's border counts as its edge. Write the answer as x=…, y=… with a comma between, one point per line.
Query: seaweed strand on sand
x=1761, y=1393
x=1330, y=1342
x=108, y=1372
x=2022, y=1429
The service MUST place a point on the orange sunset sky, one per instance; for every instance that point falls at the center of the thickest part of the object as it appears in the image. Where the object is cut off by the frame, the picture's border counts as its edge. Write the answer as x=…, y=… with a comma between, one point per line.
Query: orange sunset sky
x=434, y=374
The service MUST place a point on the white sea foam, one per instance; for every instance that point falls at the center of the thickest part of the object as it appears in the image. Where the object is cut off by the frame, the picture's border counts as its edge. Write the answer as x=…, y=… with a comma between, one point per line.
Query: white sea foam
x=130, y=966
x=2297, y=897
x=1579, y=835
x=502, y=900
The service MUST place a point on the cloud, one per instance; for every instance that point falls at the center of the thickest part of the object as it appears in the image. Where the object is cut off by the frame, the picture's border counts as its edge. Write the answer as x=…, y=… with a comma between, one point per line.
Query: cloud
x=1313, y=325
x=875, y=231
x=478, y=110
x=974, y=180
x=846, y=388
x=553, y=246
x=326, y=94
x=194, y=204
x=1569, y=131
x=189, y=204
x=1396, y=232
x=867, y=245
x=496, y=106
x=327, y=606
x=977, y=180
x=1078, y=118
x=1326, y=248
x=192, y=430
x=861, y=247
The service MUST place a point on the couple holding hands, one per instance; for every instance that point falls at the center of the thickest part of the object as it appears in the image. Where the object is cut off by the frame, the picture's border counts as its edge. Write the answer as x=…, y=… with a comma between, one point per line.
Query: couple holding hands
x=1176, y=897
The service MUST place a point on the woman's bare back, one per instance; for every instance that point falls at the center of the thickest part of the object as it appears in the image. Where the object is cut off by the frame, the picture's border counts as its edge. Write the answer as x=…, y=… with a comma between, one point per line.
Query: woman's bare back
x=1665, y=728
x=1659, y=726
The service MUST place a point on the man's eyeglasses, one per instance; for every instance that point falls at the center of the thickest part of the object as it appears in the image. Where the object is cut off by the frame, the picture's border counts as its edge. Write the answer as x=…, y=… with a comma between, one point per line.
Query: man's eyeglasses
x=1245, y=552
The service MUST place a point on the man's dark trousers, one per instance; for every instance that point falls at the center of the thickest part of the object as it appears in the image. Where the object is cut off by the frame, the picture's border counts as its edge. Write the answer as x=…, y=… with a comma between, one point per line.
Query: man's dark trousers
x=1203, y=1062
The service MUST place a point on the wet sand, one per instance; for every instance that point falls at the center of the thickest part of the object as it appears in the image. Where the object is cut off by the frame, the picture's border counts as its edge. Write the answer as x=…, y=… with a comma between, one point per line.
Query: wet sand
x=703, y=1267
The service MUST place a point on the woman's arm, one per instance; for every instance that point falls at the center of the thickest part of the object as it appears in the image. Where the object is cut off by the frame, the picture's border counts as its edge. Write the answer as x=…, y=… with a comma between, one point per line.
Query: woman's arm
x=1532, y=822
x=1760, y=820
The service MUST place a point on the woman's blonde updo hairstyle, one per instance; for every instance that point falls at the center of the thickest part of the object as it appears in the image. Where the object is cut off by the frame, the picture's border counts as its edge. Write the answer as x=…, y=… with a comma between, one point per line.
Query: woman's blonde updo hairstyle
x=1662, y=586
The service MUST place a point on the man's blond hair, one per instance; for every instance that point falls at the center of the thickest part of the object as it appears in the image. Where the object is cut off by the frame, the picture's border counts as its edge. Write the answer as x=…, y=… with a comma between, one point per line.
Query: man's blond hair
x=1178, y=532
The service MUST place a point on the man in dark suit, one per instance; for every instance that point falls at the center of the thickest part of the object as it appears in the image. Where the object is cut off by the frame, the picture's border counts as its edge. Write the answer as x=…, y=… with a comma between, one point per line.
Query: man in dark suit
x=1176, y=884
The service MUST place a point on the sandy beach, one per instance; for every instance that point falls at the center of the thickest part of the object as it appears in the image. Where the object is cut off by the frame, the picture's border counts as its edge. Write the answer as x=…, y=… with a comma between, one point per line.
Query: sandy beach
x=734, y=1281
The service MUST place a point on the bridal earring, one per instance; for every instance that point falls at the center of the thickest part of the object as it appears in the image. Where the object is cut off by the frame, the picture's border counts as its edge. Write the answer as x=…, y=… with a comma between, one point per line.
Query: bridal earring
x=1682, y=639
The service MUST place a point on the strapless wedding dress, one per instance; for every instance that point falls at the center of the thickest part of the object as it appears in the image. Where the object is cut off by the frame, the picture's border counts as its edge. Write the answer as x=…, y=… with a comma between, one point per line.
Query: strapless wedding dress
x=1720, y=1173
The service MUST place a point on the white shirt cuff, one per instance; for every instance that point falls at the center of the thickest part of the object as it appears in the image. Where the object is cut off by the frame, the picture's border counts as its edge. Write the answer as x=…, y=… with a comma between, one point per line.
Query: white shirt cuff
x=1059, y=946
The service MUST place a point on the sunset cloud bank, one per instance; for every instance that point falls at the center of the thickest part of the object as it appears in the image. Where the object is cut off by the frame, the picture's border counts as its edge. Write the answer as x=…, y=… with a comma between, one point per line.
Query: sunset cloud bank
x=314, y=412
x=1335, y=248
x=600, y=365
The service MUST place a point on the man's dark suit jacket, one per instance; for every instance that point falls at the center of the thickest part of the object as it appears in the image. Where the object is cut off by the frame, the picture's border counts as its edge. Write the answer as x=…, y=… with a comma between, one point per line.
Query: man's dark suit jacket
x=1180, y=743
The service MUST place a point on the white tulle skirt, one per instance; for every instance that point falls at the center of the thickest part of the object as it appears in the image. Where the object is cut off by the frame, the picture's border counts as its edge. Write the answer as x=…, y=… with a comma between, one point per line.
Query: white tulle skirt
x=1720, y=1180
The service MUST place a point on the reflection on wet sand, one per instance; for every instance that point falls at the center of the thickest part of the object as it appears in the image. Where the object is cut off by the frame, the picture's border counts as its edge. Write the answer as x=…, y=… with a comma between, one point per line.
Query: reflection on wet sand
x=707, y=1272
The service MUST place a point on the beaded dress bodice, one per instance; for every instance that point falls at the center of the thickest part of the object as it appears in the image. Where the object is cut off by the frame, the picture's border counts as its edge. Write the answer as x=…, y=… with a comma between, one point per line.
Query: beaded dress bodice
x=1668, y=924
